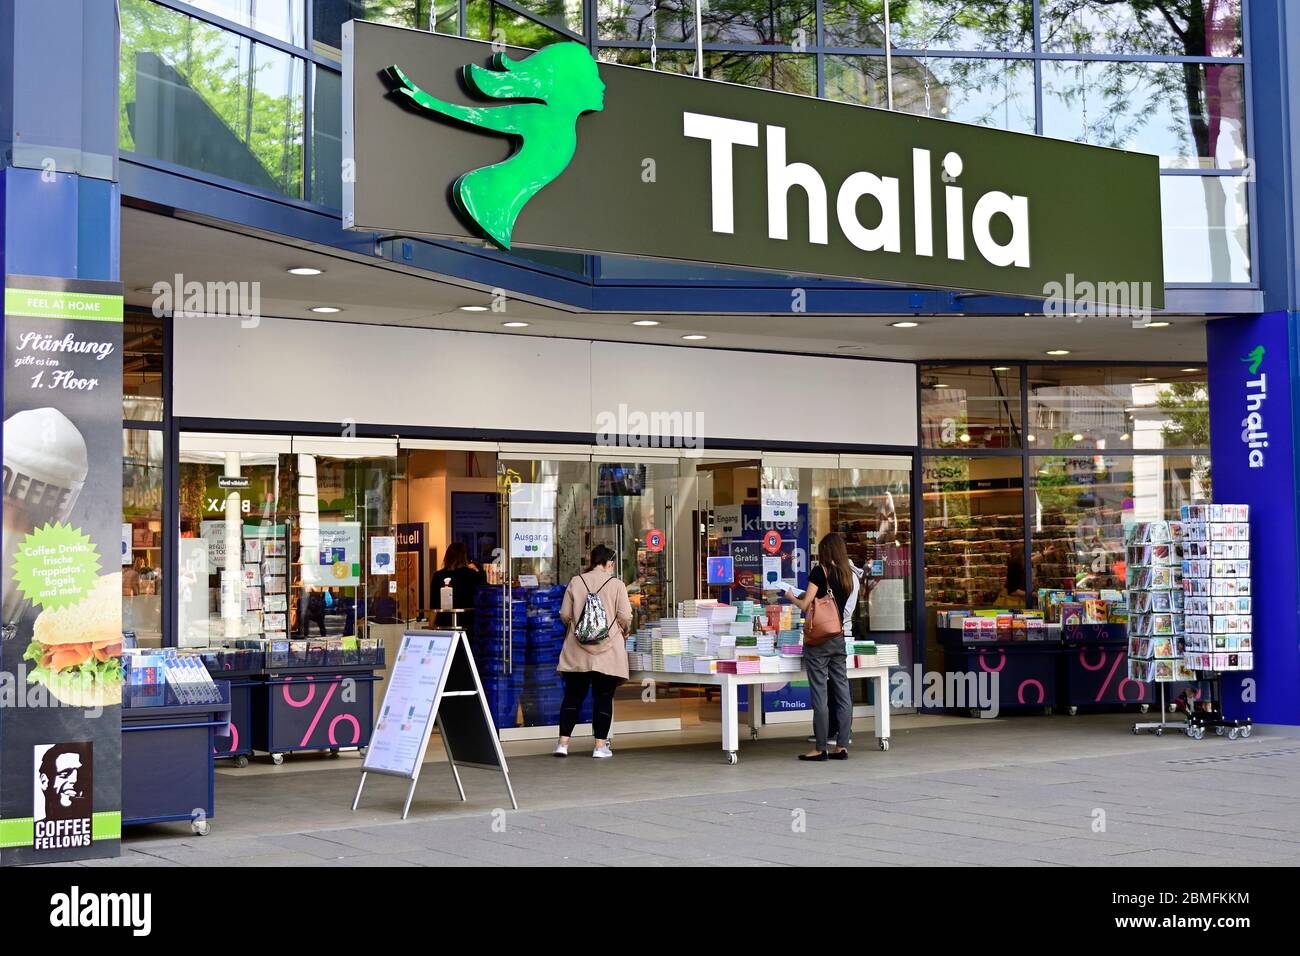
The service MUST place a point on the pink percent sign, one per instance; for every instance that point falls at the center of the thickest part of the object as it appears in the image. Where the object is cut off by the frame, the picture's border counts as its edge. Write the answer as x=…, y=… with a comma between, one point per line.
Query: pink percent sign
x=1110, y=675
x=993, y=670
x=311, y=693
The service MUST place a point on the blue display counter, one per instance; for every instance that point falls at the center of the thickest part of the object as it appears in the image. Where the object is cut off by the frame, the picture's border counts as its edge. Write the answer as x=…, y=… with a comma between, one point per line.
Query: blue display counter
x=167, y=756
x=237, y=743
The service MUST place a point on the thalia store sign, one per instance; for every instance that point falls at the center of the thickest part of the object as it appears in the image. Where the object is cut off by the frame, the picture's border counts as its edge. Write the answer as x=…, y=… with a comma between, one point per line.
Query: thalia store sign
x=552, y=150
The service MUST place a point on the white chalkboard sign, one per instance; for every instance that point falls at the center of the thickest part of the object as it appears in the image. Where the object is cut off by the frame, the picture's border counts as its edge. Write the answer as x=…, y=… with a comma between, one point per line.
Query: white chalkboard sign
x=433, y=682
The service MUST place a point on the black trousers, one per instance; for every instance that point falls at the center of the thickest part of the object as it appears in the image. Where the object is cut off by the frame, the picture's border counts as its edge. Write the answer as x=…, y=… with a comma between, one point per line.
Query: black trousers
x=602, y=687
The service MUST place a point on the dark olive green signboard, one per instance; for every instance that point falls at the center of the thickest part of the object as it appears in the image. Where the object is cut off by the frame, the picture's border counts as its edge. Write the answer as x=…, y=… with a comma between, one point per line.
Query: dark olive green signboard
x=454, y=138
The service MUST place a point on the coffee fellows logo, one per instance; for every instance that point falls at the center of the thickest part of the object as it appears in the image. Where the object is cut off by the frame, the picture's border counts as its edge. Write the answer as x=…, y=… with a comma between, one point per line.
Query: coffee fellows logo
x=1252, y=426
x=561, y=82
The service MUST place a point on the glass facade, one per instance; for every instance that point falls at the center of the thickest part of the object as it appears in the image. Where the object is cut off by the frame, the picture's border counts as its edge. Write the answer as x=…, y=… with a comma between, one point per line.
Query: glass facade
x=221, y=91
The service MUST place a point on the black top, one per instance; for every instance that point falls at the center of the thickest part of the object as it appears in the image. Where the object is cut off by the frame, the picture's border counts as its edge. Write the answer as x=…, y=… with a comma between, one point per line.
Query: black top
x=464, y=586
x=817, y=576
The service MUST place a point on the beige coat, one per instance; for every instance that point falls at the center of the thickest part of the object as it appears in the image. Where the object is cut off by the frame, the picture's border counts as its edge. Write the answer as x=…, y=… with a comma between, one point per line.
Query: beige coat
x=610, y=655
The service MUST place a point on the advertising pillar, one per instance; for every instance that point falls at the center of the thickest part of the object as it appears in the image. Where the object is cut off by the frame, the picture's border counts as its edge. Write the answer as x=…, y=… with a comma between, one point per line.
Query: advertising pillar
x=1252, y=374
x=60, y=653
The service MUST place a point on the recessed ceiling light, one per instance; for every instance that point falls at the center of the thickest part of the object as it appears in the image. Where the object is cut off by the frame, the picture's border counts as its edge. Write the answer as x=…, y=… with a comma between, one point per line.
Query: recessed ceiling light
x=304, y=271
x=325, y=308
x=1032, y=437
x=646, y=323
x=904, y=325
x=1077, y=436
x=695, y=337
x=1157, y=325
x=515, y=325
x=1058, y=351
x=1002, y=368
x=1124, y=437
x=964, y=437
x=939, y=385
x=1150, y=378
x=1189, y=370
x=473, y=308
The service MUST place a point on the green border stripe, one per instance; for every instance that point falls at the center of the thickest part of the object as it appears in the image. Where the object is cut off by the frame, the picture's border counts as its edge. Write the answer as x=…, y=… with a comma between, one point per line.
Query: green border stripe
x=40, y=304
x=20, y=831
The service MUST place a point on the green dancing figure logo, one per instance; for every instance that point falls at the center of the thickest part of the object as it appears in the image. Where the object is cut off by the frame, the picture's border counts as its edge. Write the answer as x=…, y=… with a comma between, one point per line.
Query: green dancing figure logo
x=558, y=84
x=1256, y=358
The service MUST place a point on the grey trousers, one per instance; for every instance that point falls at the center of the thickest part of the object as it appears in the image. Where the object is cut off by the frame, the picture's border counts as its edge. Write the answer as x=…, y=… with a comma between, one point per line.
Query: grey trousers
x=827, y=672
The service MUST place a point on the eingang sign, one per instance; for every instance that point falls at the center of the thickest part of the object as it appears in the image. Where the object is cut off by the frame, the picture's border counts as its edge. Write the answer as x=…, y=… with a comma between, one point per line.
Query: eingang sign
x=551, y=150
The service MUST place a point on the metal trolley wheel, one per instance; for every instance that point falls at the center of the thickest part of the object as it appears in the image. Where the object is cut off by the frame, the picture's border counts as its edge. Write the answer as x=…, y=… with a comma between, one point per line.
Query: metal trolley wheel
x=1072, y=710
x=201, y=827
x=1143, y=708
x=732, y=757
x=241, y=761
x=277, y=759
x=1247, y=731
x=884, y=743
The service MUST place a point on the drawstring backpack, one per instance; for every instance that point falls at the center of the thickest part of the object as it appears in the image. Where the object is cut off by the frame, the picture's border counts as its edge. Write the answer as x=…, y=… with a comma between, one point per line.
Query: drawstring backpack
x=593, y=623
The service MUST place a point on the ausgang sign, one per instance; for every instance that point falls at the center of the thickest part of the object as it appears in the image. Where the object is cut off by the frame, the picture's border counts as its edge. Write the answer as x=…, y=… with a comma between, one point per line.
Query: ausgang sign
x=448, y=138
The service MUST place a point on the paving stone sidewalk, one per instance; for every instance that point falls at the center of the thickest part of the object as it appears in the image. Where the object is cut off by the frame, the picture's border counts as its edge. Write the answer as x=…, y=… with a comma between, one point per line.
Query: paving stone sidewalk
x=1030, y=793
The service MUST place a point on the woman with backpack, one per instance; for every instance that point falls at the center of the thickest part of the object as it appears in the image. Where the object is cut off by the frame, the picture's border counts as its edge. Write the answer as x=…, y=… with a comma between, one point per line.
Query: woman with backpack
x=594, y=657
x=831, y=587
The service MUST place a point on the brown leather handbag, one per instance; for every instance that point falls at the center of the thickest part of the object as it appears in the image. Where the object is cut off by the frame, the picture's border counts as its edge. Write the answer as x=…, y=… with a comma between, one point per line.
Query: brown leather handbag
x=823, y=619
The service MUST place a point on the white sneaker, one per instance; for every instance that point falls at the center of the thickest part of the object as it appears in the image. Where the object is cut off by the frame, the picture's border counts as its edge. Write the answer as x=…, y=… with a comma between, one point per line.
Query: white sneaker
x=561, y=750
x=602, y=753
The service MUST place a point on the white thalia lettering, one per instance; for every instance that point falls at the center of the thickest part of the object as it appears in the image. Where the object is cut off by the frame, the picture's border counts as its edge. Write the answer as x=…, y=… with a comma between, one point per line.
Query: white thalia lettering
x=723, y=134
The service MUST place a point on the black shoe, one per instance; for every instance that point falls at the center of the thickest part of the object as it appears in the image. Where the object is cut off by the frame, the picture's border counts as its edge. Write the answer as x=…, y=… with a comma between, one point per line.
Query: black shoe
x=820, y=755
x=838, y=755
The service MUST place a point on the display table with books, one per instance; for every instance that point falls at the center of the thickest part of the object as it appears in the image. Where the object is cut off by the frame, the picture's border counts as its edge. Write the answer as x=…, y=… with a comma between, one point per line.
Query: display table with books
x=730, y=684
x=171, y=712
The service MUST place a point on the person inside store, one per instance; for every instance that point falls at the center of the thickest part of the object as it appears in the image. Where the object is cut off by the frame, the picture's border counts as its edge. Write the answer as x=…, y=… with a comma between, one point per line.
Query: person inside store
x=311, y=610
x=465, y=580
x=825, y=660
x=1013, y=590
x=594, y=655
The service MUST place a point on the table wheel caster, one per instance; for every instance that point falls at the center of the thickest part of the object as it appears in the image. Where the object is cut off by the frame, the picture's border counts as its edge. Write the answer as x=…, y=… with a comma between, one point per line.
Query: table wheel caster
x=1072, y=710
x=241, y=761
x=1234, y=733
x=1160, y=731
x=884, y=743
x=277, y=759
x=334, y=751
x=1135, y=730
x=732, y=757
x=753, y=733
x=1143, y=708
x=1218, y=731
x=200, y=827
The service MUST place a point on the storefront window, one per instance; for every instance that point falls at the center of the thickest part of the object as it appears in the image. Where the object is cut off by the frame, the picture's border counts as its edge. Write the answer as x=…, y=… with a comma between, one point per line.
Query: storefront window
x=1206, y=228
x=327, y=138
x=1106, y=408
x=1140, y=26
x=787, y=72
x=962, y=25
x=1189, y=114
x=666, y=61
x=277, y=544
x=142, y=367
x=142, y=496
x=1082, y=503
x=872, y=505
x=674, y=20
x=198, y=96
x=485, y=20
x=328, y=17
x=854, y=23
x=282, y=19
x=987, y=92
x=789, y=23
x=970, y=406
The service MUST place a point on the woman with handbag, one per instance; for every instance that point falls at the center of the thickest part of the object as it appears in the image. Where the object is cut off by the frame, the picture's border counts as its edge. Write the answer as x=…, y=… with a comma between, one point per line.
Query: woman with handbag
x=830, y=587
x=598, y=613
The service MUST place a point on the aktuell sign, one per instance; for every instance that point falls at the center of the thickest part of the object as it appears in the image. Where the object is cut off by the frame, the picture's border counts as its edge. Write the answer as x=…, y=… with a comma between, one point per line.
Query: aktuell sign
x=548, y=149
